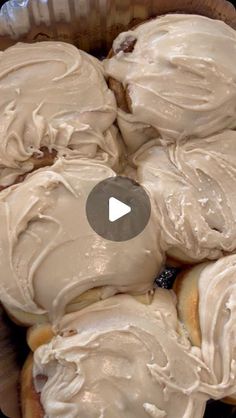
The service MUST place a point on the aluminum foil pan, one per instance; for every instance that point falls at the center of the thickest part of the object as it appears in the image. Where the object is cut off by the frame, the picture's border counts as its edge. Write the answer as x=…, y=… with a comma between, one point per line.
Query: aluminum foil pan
x=90, y=25
x=93, y=24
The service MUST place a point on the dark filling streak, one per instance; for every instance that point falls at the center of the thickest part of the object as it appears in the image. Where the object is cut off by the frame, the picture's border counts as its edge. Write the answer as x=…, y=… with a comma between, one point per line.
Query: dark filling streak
x=127, y=46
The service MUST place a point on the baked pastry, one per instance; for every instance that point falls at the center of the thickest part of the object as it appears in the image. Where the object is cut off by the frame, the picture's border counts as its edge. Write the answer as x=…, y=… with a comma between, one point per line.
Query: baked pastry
x=54, y=101
x=39, y=334
x=207, y=307
x=118, y=357
x=136, y=345
x=174, y=78
x=30, y=400
x=192, y=185
x=51, y=256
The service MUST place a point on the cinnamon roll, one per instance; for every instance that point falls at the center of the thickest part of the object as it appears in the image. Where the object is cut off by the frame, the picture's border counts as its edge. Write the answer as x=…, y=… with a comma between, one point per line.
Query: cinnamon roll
x=51, y=259
x=54, y=101
x=193, y=185
x=174, y=78
x=207, y=308
x=118, y=357
x=124, y=356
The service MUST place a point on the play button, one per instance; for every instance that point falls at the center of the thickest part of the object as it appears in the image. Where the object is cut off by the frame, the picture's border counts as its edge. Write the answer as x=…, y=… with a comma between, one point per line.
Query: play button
x=118, y=209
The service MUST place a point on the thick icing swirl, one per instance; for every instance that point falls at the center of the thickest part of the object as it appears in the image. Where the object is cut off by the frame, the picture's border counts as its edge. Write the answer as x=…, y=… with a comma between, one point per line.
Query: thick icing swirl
x=120, y=357
x=49, y=253
x=217, y=315
x=192, y=184
x=180, y=76
x=52, y=95
x=147, y=365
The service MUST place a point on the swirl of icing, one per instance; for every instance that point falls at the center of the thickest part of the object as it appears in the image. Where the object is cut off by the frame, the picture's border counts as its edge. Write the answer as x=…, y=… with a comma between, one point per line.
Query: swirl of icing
x=49, y=253
x=192, y=184
x=217, y=316
x=180, y=76
x=52, y=95
x=120, y=357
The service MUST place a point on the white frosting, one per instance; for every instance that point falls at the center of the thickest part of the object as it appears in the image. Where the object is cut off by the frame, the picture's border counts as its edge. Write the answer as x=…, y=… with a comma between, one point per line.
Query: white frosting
x=193, y=185
x=136, y=355
x=49, y=253
x=121, y=358
x=181, y=78
x=217, y=314
x=53, y=95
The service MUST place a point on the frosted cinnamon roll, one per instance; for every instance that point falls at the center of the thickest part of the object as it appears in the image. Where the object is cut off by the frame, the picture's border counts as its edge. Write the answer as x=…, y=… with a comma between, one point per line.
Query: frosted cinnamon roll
x=174, y=77
x=50, y=255
x=118, y=357
x=207, y=307
x=193, y=185
x=54, y=101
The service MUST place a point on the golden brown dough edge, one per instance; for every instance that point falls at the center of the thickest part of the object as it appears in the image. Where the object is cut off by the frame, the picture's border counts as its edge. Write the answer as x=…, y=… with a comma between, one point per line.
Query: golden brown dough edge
x=186, y=289
x=121, y=94
x=30, y=399
x=38, y=335
x=31, y=407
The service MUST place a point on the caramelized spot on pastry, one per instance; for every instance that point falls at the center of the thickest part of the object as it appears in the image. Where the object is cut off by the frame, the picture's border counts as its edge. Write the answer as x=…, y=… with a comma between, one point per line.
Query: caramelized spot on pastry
x=121, y=94
x=46, y=158
x=128, y=99
x=30, y=398
x=186, y=289
x=38, y=335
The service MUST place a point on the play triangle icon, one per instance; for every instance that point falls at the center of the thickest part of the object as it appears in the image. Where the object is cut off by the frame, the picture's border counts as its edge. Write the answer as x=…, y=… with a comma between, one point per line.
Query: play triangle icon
x=117, y=209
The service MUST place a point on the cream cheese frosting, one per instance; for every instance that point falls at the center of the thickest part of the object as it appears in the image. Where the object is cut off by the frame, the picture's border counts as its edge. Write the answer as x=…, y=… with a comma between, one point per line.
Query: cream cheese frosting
x=145, y=365
x=52, y=95
x=193, y=185
x=180, y=76
x=49, y=253
x=120, y=357
x=217, y=313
